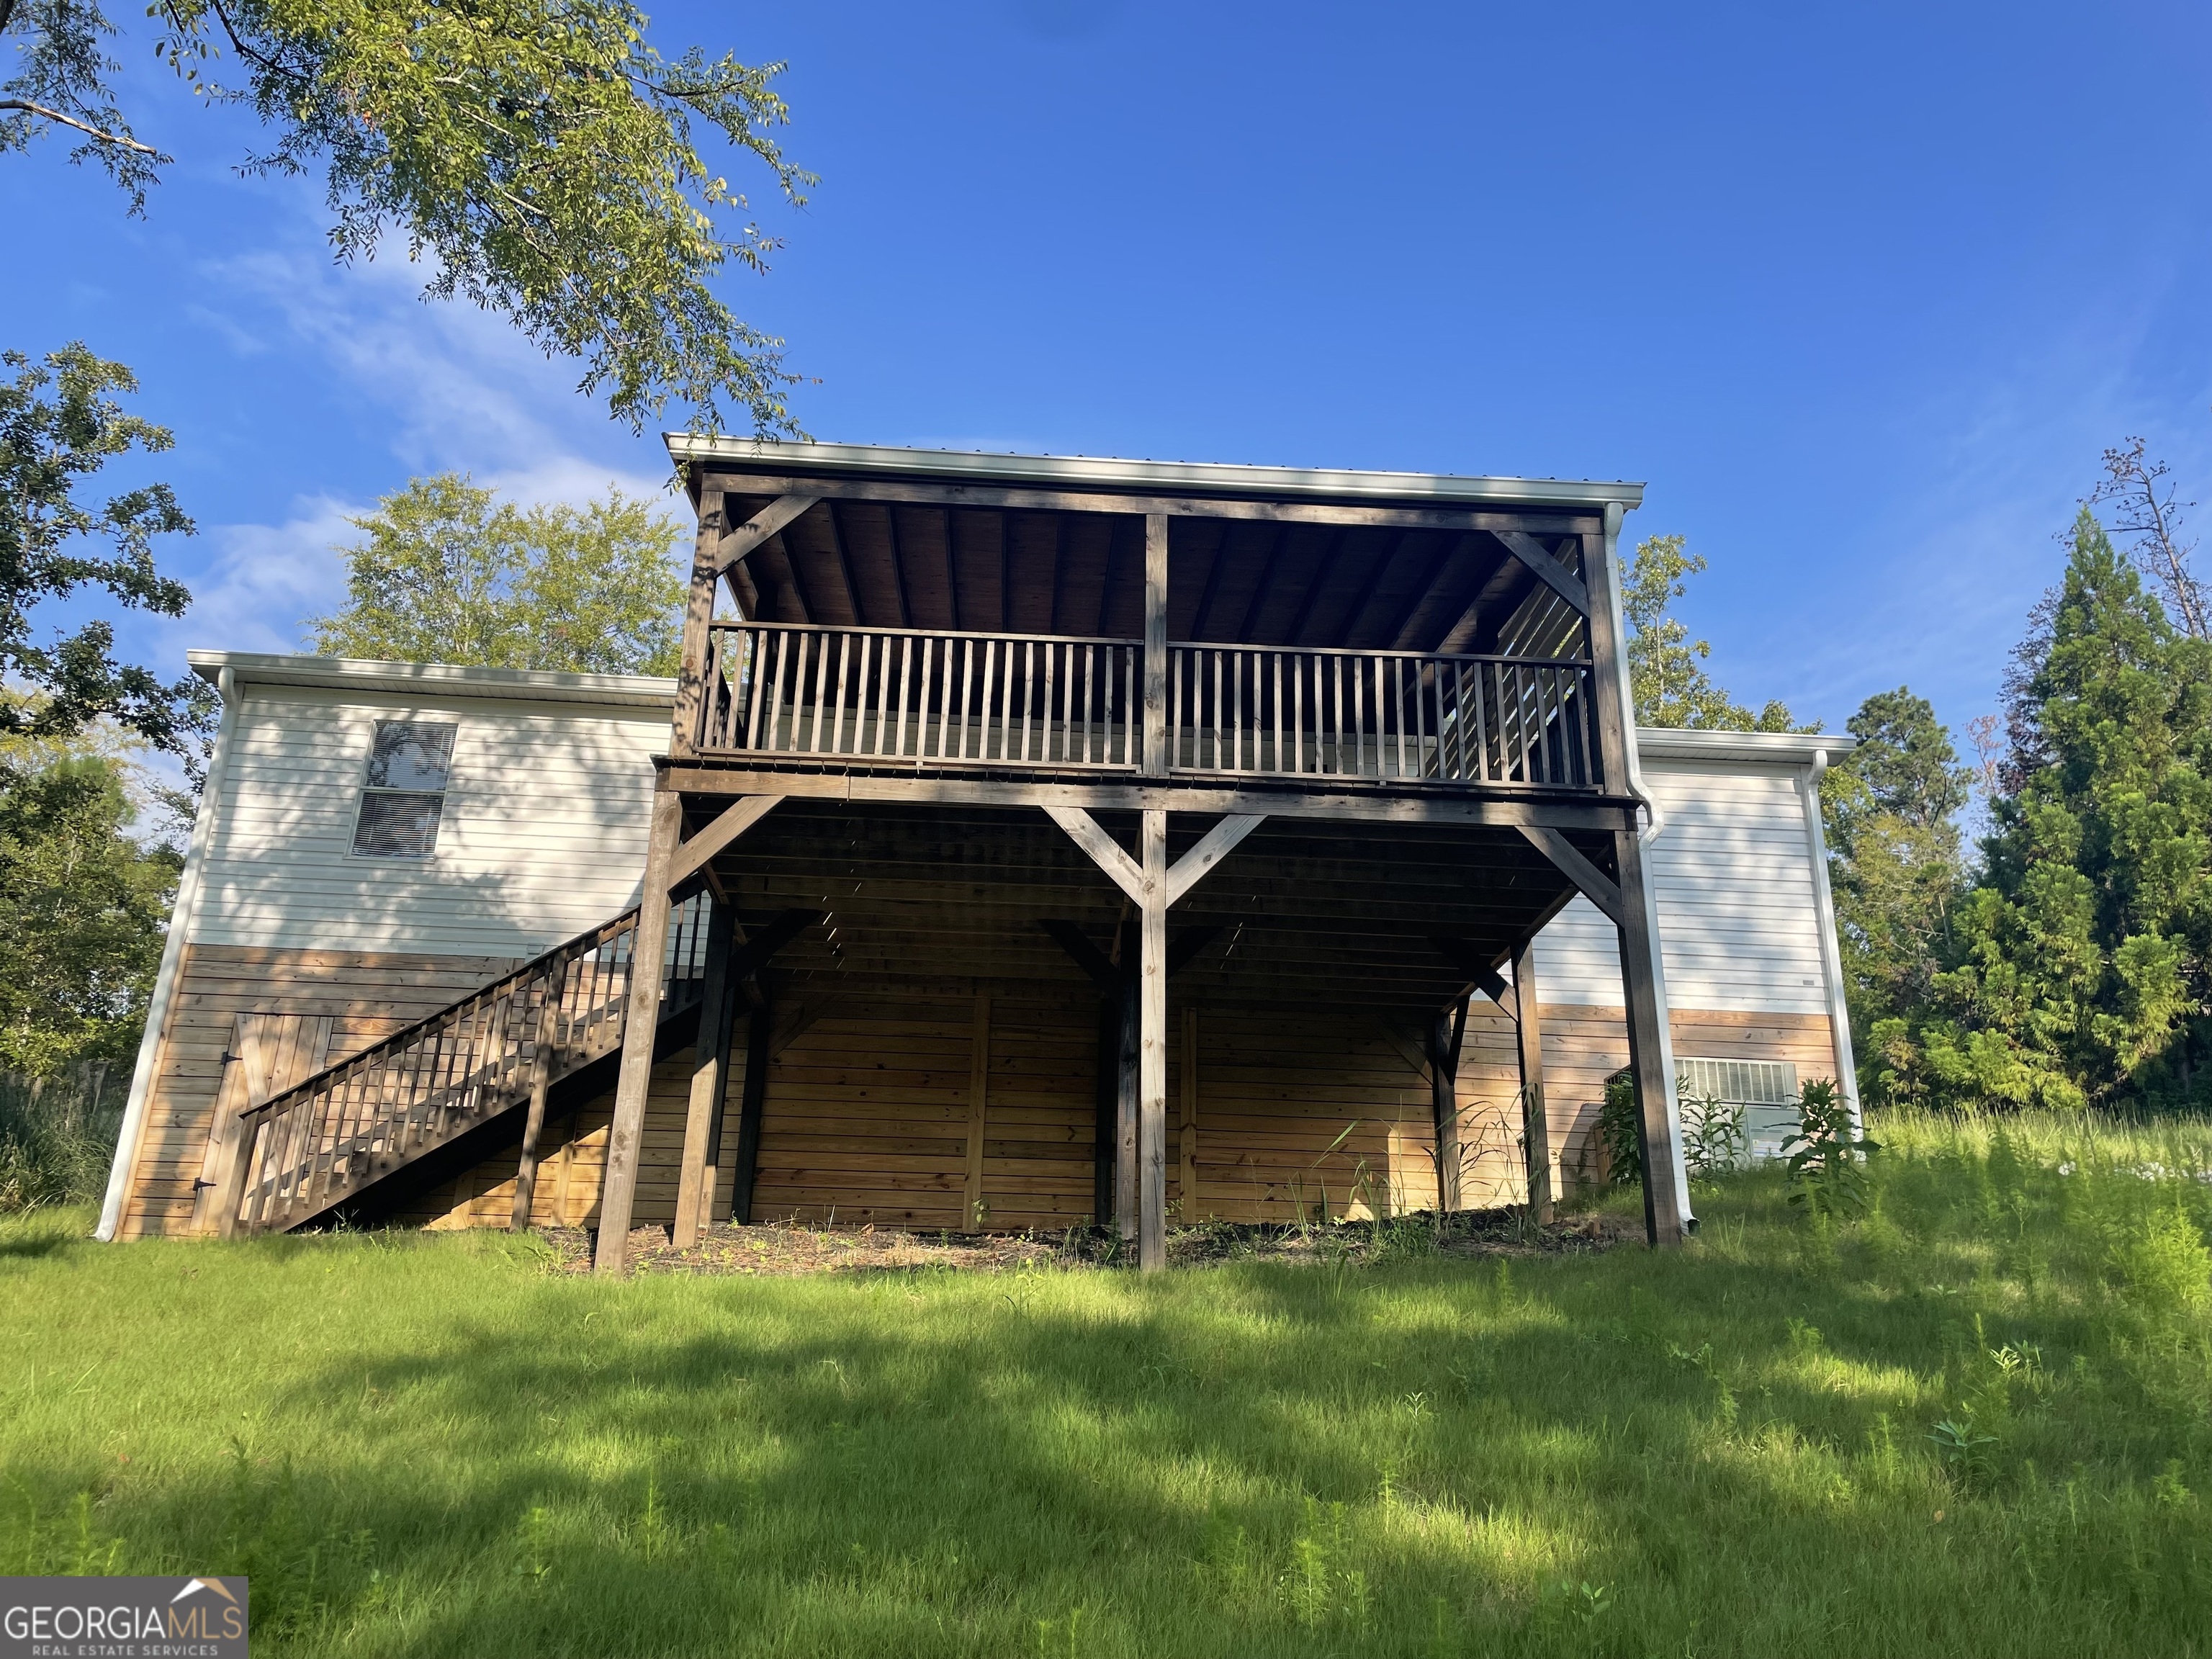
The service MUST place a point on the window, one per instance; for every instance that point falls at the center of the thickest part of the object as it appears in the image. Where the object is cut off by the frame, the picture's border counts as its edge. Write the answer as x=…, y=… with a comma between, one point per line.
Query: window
x=1766, y=1088
x=403, y=795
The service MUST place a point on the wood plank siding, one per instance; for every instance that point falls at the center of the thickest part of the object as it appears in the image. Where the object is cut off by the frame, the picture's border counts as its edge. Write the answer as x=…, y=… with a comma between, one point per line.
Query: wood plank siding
x=868, y=1101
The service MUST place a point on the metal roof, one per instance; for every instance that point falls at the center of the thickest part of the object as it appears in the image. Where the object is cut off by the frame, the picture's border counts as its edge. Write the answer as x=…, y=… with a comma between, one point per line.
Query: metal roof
x=1143, y=477
x=432, y=678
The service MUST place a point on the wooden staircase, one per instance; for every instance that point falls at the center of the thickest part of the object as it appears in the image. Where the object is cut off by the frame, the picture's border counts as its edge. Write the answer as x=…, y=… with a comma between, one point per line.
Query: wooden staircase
x=319, y=1147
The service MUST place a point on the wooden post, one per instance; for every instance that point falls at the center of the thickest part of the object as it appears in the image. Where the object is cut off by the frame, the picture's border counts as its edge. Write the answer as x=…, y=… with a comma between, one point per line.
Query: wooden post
x=752, y=1104
x=541, y=1084
x=1639, y=972
x=1130, y=1019
x=1152, y=1055
x=1156, y=645
x=710, y=1078
x=1443, y=1105
x=1655, y=1089
x=979, y=1094
x=1190, y=1133
x=641, y=1020
x=1108, y=1127
x=698, y=614
x=1536, y=1125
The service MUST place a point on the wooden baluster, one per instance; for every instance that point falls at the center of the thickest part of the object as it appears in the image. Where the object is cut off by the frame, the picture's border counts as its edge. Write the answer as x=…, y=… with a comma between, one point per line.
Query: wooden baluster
x=837, y=720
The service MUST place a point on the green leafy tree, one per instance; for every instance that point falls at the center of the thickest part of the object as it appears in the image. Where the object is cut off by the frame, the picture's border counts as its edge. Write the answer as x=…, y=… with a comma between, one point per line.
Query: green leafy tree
x=81, y=903
x=1891, y=808
x=59, y=425
x=448, y=574
x=1667, y=667
x=2078, y=974
x=540, y=154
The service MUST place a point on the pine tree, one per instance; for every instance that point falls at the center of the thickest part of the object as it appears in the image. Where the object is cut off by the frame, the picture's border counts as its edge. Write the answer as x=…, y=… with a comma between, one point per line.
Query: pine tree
x=2078, y=974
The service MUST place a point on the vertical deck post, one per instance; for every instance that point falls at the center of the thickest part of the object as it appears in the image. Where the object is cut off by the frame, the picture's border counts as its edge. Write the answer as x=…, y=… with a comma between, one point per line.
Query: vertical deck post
x=1445, y=1039
x=1130, y=1023
x=1152, y=1055
x=1156, y=645
x=640, y=1022
x=541, y=1084
x=752, y=1104
x=710, y=1078
x=698, y=616
x=1535, y=1125
x=1639, y=962
x=979, y=1100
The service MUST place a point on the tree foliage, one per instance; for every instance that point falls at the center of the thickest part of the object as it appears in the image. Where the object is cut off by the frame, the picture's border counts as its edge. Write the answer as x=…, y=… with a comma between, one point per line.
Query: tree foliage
x=81, y=903
x=540, y=154
x=58, y=426
x=2077, y=973
x=447, y=574
x=1666, y=665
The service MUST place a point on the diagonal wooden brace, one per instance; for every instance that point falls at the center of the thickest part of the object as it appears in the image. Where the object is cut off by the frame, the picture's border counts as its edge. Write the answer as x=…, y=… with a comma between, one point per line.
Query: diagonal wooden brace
x=1533, y=553
x=695, y=854
x=1123, y=871
x=1596, y=887
x=750, y=536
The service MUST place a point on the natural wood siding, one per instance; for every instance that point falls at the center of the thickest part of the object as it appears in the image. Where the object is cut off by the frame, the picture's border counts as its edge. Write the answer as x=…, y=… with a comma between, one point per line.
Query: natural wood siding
x=867, y=1112
x=1738, y=919
x=366, y=996
x=542, y=836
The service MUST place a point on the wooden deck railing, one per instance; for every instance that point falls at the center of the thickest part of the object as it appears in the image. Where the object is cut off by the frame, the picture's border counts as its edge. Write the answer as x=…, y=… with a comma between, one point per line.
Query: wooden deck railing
x=300, y=1153
x=1393, y=715
x=891, y=695
x=784, y=691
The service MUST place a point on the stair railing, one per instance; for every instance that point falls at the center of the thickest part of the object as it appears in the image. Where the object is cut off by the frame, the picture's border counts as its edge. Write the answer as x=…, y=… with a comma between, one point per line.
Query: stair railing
x=297, y=1153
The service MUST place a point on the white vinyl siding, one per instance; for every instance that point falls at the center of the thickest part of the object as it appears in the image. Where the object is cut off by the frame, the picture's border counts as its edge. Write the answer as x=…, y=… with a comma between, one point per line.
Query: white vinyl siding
x=1738, y=925
x=542, y=831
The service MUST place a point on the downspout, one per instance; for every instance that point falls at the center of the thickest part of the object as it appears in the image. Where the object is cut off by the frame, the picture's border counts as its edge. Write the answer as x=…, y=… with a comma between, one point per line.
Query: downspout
x=1831, y=957
x=1650, y=898
x=189, y=887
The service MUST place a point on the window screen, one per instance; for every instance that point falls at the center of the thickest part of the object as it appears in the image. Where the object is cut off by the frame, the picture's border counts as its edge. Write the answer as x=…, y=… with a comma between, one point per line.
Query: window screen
x=403, y=793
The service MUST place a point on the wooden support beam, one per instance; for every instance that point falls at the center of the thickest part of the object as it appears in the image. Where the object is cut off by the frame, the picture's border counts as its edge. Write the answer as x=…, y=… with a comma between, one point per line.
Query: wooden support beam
x=1538, y=557
x=1094, y=962
x=698, y=615
x=1105, y=852
x=1596, y=887
x=1535, y=1123
x=710, y=1077
x=1184, y=945
x=541, y=1086
x=1566, y=519
x=1188, y=1132
x=642, y=1019
x=1152, y=1062
x=1215, y=845
x=760, y=1025
x=844, y=565
x=750, y=536
x=1479, y=971
x=693, y=855
x=973, y=1215
x=899, y=566
x=1446, y=1031
x=1663, y=1218
x=1157, y=759
x=1594, y=813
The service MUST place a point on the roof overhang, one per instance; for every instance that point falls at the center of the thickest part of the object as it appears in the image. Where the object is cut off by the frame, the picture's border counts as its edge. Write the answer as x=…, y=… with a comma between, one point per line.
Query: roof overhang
x=429, y=680
x=1108, y=475
x=1752, y=747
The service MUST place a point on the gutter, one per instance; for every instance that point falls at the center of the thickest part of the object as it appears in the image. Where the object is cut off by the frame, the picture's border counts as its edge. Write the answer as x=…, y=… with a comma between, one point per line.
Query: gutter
x=1831, y=957
x=190, y=886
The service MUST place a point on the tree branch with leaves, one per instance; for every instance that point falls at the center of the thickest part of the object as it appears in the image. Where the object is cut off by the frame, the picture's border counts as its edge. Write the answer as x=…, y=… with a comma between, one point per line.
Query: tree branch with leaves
x=541, y=156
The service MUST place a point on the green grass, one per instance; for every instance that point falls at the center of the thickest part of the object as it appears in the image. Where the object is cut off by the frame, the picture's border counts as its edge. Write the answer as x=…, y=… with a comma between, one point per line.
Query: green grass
x=430, y=1444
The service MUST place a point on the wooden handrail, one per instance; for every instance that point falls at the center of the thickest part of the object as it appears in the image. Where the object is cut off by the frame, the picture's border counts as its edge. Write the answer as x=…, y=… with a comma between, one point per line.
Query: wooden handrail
x=294, y=1156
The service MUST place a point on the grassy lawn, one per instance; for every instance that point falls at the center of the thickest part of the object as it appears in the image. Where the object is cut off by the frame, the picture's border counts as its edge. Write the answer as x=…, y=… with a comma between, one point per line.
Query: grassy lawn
x=434, y=1445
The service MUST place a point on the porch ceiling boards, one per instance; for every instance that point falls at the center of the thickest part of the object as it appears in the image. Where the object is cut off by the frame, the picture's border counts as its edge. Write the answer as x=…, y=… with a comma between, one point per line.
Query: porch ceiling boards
x=882, y=564
x=1303, y=912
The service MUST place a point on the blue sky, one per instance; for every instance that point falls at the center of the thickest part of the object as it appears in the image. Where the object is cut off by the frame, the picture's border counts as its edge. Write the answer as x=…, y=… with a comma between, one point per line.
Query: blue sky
x=1860, y=292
